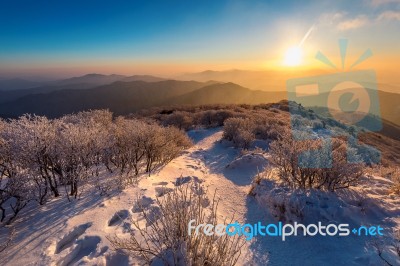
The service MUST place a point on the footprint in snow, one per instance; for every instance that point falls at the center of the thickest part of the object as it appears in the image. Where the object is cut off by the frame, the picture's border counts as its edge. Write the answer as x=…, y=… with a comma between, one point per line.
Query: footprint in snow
x=71, y=237
x=118, y=217
x=117, y=258
x=86, y=246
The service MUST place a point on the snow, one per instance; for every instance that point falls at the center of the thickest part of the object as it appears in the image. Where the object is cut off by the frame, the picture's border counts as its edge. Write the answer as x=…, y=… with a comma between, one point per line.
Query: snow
x=354, y=206
x=72, y=233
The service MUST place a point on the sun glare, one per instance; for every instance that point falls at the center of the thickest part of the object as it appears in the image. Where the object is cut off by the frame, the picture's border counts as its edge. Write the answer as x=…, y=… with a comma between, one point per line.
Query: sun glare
x=293, y=56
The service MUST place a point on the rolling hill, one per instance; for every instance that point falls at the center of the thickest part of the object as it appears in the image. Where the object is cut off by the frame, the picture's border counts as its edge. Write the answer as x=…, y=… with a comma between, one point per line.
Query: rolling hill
x=270, y=80
x=15, y=88
x=120, y=97
x=123, y=97
x=226, y=93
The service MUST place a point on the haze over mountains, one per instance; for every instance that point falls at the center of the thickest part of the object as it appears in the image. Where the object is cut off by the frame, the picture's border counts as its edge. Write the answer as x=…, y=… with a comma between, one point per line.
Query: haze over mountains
x=92, y=79
x=269, y=80
x=127, y=94
x=126, y=97
x=11, y=89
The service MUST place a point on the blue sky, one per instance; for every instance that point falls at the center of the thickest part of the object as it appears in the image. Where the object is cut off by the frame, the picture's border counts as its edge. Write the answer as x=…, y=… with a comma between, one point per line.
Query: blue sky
x=183, y=35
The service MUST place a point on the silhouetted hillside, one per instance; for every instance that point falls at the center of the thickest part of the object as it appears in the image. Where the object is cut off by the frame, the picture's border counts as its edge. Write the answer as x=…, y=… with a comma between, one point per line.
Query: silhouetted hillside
x=119, y=97
x=99, y=79
x=127, y=97
x=13, y=89
x=227, y=93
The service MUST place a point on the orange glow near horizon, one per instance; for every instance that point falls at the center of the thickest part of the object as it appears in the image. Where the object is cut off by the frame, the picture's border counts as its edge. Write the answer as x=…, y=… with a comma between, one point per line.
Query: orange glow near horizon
x=276, y=71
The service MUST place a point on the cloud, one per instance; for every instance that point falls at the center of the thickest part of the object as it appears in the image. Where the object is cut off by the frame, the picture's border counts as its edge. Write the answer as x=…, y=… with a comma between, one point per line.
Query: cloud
x=376, y=3
x=344, y=22
x=389, y=15
x=355, y=23
x=331, y=18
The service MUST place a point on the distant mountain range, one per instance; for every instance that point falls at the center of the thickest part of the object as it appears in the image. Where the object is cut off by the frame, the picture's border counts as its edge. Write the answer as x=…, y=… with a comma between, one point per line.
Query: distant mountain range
x=124, y=95
x=120, y=97
x=267, y=80
x=11, y=89
x=92, y=79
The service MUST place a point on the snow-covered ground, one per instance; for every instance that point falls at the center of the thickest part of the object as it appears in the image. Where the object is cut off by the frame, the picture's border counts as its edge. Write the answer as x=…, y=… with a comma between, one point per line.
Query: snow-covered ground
x=64, y=233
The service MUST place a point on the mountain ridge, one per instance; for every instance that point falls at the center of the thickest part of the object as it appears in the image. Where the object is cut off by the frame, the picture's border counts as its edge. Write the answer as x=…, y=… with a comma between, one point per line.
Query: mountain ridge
x=123, y=97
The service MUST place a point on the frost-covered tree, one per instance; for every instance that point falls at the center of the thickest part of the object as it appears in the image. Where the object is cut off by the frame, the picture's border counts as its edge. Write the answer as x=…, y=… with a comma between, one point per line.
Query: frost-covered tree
x=138, y=146
x=239, y=131
x=181, y=120
x=316, y=164
x=81, y=142
x=16, y=186
x=126, y=152
x=33, y=141
x=39, y=155
x=161, y=145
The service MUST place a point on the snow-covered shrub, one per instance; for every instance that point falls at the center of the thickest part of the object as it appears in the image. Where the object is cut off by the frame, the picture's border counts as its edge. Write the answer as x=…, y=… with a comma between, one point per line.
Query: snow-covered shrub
x=291, y=205
x=127, y=149
x=243, y=139
x=396, y=182
x=268, y=126
x=16, y=185
x=392, y=173
x=179, y=119
x=220, y=116
x=294, y=160
x=239, y=131
x=32, y=141
x=231, y=127
x=368, y=154
x=18, y=192
x=15, y=192
x=137, y=146
x=206, y=118
x=213, y=118
x=298, y=122
x=164, y=237
x=78, y=148
x=161, y=145
x=38, y=155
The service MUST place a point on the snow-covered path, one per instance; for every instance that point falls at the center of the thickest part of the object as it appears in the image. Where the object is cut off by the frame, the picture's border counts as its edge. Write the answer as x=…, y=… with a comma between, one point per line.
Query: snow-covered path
x=212, y=161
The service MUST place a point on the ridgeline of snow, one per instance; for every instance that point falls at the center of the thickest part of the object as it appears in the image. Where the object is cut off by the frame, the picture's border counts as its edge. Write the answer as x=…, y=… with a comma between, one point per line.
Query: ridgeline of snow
x=72, y=233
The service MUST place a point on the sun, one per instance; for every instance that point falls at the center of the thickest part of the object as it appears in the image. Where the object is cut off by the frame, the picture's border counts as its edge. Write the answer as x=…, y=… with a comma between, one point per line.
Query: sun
x=293, y=56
